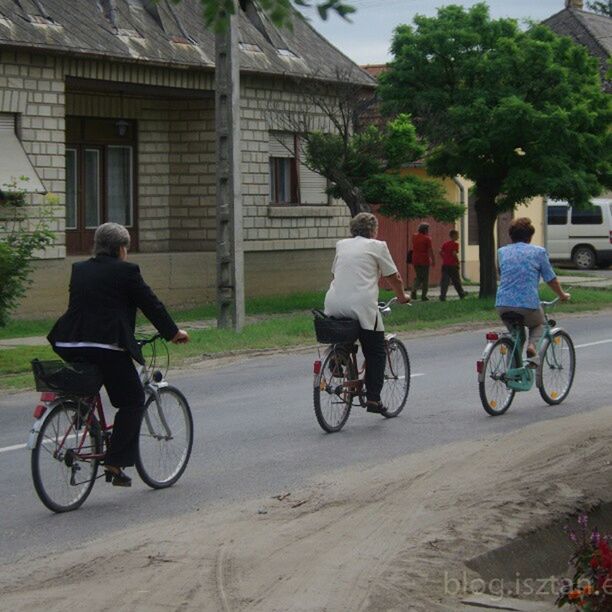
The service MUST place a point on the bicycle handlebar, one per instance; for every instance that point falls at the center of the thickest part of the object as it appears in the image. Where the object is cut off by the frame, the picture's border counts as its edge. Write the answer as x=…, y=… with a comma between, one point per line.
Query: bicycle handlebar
x=385, y=305
x=150, y=340
x=548, y=304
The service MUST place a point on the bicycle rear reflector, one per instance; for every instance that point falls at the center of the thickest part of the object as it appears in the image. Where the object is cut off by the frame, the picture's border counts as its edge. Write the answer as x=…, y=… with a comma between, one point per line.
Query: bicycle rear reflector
x=492, y=336
x=480, y=365
x=39, y=411
x=316, y=366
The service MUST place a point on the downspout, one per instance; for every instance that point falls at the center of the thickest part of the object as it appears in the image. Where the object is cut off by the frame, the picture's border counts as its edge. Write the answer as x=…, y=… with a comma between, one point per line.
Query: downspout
x=463, y=200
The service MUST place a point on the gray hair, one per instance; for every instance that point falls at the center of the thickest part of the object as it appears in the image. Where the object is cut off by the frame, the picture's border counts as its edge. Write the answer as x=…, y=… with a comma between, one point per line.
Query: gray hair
x=109, y=238
x=364, y=224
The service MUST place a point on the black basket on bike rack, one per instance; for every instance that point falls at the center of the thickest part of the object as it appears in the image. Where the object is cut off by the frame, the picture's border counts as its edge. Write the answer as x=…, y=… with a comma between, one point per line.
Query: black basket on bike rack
x=330, y=330
x=83, y=379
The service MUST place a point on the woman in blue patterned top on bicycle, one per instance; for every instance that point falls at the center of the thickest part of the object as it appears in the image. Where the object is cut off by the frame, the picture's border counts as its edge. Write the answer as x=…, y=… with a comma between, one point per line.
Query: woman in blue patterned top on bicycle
x=520, y=266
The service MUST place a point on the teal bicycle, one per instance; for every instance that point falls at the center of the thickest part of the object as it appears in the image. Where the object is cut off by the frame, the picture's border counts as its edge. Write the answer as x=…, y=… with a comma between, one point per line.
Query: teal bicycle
x=502, y=371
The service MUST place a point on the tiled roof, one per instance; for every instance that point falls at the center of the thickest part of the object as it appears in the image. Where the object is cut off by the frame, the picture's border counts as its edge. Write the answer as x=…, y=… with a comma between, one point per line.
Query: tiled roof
x=592, y=30
x=170, y=34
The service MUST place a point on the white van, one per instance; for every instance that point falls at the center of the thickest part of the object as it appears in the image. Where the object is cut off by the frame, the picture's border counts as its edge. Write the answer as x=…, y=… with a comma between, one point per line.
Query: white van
x=581, y=236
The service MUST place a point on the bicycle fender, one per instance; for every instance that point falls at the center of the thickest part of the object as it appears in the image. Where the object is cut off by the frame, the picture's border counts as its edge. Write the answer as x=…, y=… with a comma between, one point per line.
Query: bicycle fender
x=485, y=354
x=38, y=423
x=390, y=337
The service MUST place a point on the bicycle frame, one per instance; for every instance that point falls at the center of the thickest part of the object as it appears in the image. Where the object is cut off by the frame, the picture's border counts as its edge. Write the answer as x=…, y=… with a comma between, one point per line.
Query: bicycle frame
x=521, y=378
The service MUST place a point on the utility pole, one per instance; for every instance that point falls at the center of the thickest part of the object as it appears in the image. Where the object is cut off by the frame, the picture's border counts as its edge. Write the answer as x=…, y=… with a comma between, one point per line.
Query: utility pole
x=230, y=254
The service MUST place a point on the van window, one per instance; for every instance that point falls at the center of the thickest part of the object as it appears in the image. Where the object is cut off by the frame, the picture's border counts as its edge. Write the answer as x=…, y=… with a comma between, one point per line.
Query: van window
x=589, y=216
x=557, y=215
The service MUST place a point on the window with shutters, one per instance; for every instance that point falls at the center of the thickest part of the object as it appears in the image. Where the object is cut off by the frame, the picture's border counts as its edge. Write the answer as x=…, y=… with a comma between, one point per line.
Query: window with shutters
x=291, y=181
x=16, y=170
x=100, y=179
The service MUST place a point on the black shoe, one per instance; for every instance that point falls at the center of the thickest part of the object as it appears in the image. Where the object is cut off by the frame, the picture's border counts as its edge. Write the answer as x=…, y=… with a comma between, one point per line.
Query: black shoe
x=375, y=407
x=117, y=476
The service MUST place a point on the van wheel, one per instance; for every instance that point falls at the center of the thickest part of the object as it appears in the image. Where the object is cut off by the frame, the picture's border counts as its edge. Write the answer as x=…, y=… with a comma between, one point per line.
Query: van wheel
x=584, y=258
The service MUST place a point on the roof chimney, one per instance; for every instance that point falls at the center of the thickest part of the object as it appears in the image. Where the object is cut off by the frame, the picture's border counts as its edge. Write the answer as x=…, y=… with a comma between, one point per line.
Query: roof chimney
x=575, y=4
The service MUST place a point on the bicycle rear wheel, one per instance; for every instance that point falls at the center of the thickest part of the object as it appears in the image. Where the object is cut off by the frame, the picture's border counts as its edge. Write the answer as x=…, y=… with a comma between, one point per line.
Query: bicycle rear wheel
x=166, y=438
x=557, y=368
x=333, y=395
x=63, y=476
x=397, y=378
x=495, y=395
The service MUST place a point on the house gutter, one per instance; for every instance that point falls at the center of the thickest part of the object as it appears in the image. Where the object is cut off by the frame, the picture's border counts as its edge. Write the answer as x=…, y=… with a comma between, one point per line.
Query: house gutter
x=463, y=200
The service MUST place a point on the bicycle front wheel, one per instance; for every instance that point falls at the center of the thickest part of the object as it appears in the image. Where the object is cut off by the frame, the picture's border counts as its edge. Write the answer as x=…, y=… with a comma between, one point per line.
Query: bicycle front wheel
x=557, y=368
x=333, y=396
x=495, y=395
x=397, y=378
x=63, y=467
x=166, y=438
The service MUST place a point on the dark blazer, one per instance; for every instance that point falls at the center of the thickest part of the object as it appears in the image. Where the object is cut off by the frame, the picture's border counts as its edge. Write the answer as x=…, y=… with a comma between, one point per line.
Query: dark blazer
x=104, y=295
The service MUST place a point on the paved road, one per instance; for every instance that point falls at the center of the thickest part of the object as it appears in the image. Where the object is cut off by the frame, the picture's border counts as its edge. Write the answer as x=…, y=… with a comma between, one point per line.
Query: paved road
x=256, y=434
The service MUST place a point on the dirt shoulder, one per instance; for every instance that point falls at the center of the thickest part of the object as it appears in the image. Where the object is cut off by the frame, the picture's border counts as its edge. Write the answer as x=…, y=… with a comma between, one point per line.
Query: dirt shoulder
x=384, y=538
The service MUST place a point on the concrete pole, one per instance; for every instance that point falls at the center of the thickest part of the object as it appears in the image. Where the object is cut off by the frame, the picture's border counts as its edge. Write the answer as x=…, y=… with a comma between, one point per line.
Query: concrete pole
x=230, y=254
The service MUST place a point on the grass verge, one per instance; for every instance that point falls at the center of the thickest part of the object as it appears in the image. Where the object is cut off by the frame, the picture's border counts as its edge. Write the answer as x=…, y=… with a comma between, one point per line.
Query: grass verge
x=289, y=324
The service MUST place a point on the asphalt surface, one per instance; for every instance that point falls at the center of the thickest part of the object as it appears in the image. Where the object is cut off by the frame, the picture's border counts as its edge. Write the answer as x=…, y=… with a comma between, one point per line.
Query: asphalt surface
x=256, y=434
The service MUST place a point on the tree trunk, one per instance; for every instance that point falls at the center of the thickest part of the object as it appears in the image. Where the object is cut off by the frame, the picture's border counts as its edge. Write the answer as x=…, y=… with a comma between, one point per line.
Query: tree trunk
x=351, y=195
x=486, y=215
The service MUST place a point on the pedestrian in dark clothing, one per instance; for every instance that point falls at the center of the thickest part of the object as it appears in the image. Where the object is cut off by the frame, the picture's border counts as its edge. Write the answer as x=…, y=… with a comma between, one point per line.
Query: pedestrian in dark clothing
x=450, y=266
x=422, y=259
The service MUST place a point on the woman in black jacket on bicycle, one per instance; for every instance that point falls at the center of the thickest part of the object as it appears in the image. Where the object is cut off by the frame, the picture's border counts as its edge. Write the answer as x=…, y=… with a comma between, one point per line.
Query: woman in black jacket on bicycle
x=98, y=328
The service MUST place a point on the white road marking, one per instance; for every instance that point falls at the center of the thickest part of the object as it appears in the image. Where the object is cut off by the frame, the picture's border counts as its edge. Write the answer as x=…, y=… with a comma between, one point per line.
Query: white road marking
x=415, y=375
x=6, y=449
x=593, y=343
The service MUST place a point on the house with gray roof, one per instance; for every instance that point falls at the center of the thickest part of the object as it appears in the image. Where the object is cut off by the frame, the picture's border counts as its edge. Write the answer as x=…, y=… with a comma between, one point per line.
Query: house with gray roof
x=109, y=105
x=592, y=30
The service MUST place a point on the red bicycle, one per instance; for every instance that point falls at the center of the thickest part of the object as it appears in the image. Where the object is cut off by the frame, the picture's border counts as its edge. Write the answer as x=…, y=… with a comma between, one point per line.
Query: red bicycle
x=70, y=435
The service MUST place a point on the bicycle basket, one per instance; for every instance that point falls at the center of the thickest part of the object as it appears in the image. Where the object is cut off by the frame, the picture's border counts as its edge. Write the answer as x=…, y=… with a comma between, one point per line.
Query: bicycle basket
x=330, y=330
x=84, y=379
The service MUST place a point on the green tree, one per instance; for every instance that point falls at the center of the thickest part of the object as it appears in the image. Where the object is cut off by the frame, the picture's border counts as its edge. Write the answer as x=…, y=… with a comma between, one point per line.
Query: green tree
x=603, y=8
x=20, y=239
x=363, y=168
x=521, y=114
x=217, y=12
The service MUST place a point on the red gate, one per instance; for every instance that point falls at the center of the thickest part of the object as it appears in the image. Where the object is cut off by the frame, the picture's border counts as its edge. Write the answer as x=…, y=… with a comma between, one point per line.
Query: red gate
x=398, y=236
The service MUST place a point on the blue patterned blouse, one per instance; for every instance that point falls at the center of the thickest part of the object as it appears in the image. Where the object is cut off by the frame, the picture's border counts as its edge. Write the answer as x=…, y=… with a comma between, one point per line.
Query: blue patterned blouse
x=520, y=267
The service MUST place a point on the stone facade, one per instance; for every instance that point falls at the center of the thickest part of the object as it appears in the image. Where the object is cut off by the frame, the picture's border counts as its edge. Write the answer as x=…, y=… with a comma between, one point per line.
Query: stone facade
x=174, y=111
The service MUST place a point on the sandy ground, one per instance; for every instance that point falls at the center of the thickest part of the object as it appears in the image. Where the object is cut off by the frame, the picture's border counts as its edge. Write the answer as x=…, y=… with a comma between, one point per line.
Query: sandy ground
x=376, y=539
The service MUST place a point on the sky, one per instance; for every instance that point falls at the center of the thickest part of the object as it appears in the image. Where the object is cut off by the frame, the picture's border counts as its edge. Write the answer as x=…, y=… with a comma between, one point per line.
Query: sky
x=366, y=40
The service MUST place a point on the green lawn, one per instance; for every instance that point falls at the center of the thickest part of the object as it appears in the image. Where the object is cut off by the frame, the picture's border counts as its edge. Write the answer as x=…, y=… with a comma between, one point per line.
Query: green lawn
x=289, y=323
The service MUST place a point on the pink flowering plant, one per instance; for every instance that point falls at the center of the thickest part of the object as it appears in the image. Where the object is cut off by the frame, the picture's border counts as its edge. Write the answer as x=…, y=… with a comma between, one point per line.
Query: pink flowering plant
x=590, y=588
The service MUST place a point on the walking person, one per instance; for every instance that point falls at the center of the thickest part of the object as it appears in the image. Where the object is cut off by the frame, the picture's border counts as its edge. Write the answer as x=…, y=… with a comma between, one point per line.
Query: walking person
x=450, y=266
x=359, y=263
x=422, y=259
x=98, y=328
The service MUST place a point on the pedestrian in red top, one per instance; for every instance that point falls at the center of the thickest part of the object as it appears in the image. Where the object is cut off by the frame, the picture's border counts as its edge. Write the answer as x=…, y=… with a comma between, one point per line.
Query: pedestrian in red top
x=450, y=266
x=422, y=259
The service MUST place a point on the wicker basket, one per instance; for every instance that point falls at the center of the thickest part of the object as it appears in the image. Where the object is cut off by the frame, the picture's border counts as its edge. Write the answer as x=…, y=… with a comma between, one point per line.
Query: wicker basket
x=82, y=379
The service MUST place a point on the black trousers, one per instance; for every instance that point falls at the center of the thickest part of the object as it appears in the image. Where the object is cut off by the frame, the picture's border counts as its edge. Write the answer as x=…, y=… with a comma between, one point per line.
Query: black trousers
x=125, y=392
x=373, y=347
x=450, y=273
